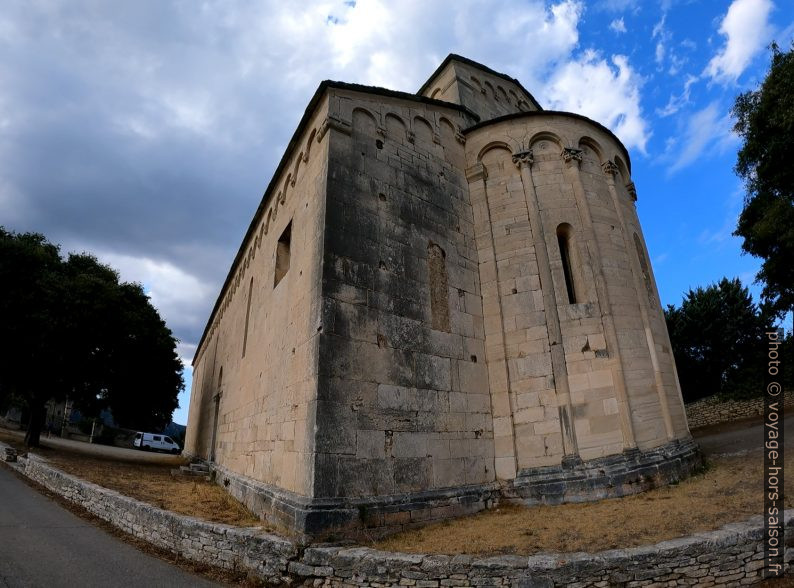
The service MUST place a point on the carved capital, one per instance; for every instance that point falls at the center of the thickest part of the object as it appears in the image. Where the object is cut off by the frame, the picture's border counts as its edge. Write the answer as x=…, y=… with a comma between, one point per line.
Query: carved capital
x=570, y=155
x=524, y=157
x=436, y=138
x=609, y=168
x=332, y=122
x=460, y=137
x=476, y=172
x=410, y=136
x=382, y=132
x=632, y=191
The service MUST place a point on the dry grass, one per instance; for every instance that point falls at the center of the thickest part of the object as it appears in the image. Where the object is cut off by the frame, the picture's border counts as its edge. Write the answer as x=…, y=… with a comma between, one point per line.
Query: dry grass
x=155, y=484
x=730, y=490
x=149, y=483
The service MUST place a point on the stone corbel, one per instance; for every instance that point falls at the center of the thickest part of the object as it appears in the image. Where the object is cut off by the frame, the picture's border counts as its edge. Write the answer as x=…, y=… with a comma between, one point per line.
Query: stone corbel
x=436, y=138
x=410, y=136
x=332, y=122
x=570, y=155
x=632, y=190
x=460, y=137
x=382, y=132
x=524, y=157
x=476, y=172
x=610, y=168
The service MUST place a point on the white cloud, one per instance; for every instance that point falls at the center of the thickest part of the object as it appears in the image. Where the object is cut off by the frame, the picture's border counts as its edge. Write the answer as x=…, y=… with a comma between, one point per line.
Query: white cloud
x=675, y=103
x=607, y=93
x=162, y=120
x=664, y=36
x=709, y=128
x=618, y=25
x=618, y=5
x=747, y=30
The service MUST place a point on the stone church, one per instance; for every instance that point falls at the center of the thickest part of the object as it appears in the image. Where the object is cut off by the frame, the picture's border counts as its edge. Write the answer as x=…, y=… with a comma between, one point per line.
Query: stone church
x=443, y=300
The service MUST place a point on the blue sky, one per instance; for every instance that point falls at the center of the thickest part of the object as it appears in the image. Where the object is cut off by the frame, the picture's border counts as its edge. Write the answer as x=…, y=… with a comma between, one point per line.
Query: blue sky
x=146, y=132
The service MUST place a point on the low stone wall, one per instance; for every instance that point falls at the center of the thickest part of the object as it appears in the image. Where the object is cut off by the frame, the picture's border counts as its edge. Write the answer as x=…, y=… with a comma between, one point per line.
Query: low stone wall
x=731, y=556
x=714, y=410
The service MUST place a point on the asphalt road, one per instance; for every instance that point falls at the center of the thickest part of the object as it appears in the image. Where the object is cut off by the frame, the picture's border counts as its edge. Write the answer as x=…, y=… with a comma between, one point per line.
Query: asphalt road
x=740, y=437
x=42, y=544
x=104, y=451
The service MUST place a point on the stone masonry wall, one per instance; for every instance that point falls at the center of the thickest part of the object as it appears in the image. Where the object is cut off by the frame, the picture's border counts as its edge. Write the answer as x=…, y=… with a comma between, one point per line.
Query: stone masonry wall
x=714, y=410
x=403, y=404
x=730, y=556
x=255, y=374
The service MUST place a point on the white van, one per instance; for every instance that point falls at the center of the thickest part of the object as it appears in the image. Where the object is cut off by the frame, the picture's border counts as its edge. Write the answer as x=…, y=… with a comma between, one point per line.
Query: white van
x=153, y=442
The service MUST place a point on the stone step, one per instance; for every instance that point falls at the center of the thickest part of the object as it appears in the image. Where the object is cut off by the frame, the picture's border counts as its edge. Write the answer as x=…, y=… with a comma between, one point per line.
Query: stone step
x=199, y=467
x=186, y=472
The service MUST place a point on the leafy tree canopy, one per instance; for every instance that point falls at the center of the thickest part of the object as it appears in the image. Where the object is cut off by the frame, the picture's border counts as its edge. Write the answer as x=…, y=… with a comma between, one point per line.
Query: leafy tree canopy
x=765, y=121
x=72, y=329
x=718, y=341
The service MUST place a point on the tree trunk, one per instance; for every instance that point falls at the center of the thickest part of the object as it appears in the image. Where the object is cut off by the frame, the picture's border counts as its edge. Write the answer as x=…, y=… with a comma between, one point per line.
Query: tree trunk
x=38, y=413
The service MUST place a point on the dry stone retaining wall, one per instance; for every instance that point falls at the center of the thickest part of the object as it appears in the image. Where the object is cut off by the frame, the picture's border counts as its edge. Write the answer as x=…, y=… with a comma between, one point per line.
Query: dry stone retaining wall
x=714, y=410
x=731, y=556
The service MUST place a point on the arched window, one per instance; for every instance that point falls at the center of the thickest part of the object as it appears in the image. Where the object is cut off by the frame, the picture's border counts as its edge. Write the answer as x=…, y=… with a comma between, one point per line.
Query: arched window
x=564, y=236
x=439, y=289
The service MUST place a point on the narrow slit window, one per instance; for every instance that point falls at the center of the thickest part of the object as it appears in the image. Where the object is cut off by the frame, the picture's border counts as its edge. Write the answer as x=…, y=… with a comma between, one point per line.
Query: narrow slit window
x=646, y=272
x=247, y=314
x=282, y=254
x=564, y=241
x=439, y=288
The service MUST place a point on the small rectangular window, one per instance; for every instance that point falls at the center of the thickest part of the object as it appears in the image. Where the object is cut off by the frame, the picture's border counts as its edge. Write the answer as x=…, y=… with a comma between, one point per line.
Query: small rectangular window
x=282, y=254
x=156, y=438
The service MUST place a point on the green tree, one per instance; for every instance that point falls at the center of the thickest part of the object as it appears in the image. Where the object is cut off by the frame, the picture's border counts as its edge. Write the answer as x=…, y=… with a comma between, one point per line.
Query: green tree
x=765, y=121
x=33, y=338
x=72, y=329
x=718, y=341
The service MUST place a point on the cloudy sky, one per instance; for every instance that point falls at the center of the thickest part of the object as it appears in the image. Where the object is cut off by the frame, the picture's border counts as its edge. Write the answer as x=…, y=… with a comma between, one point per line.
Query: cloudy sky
x=145, y=132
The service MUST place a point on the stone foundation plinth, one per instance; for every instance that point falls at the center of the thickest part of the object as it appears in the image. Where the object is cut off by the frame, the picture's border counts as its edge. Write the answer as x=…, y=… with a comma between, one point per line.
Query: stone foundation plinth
x=377, y=516
x=608, y=477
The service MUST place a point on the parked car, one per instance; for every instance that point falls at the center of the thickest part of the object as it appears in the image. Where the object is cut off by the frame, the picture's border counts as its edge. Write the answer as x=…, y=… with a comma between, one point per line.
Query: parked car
x=154, y=442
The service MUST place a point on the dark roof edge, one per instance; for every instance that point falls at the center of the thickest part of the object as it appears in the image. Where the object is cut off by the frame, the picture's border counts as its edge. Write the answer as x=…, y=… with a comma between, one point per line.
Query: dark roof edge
x=304, y=121
x=377, y=91
x=467, y=61
x=507, y=117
